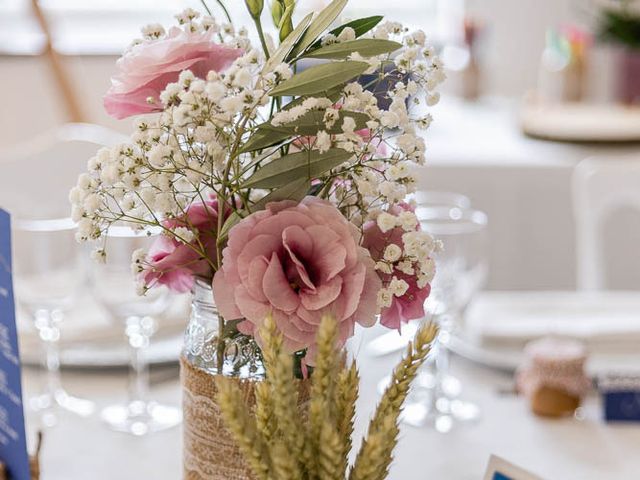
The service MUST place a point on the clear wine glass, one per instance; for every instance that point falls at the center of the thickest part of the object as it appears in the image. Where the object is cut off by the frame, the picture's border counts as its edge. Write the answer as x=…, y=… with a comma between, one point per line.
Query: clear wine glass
x=435, y=199
x=393, y=341
x=114, y=287
x=461, y=271
x=48, y=274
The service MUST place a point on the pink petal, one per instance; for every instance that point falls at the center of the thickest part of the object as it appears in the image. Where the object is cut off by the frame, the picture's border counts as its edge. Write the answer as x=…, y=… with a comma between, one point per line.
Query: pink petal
x=261, y=245
x=328, y=253
x=257, y=269
x=298, y=242
x=223, y=294
x=367, y=310
x=250, y=309
x=276, y=287
x=352, y=287
x=276, y=224
x=312, y=317
x=323, y=295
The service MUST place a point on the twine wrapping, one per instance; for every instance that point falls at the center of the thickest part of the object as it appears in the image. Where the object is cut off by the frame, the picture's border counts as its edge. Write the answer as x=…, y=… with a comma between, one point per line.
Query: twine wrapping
x=209, y=451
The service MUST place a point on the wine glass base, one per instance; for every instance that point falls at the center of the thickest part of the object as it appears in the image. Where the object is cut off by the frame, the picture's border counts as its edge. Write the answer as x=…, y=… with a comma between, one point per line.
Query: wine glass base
x=141, y=418
x=443, y=414
x=450, y=386
x=48, y=405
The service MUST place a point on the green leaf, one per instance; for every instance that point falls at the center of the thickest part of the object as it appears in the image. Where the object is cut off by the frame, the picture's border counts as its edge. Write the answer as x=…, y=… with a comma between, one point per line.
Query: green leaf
x=296, y=191
x=367, y=47
x=360, y=27
x=324, y=19
x=229, y=223
x=230, y=329
x=312, y=122
x=332, y=94
x=300, y=165
x=263, y=138
x=285, y=47
x=320, y=78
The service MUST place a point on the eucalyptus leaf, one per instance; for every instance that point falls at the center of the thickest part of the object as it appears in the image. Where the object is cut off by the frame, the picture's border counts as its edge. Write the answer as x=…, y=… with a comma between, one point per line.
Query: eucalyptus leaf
x=320, y=78
x=313, y=121
x=297, y=166
x=360, y=27
x=285, y=47
x=332, y=94
x=323, y=21
x=296, y=191
x=263, y=138
x=230, y=329
x=229, y=223
x=367, y=47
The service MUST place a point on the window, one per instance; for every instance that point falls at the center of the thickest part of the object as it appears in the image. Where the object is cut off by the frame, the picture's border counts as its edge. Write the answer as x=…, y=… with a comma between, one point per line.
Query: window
x=107, y=26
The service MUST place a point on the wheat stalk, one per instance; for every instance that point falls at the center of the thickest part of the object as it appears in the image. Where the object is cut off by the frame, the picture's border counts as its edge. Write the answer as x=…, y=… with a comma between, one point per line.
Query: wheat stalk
x=242, y=426
x=385, y=419
x=286, y=441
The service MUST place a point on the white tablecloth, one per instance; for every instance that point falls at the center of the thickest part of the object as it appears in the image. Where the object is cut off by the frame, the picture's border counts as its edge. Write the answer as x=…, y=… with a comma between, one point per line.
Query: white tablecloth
x=78, y=449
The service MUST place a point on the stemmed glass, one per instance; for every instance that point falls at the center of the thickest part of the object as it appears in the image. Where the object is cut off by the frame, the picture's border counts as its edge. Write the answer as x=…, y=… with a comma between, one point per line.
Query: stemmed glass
x=435, y=198
x=390, y=342
x=114, y=287
x=48, y=274
x=460, y=273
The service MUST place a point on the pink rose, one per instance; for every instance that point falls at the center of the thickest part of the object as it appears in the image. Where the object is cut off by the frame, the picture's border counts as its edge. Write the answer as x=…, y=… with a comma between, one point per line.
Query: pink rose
x=409, y=306
x=176, y=264
x=146, y=69
x=297, y=262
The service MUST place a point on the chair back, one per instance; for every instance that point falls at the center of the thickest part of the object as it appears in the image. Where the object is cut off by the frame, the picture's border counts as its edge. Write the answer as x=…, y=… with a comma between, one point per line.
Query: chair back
x=600, y=187
x=36, y=176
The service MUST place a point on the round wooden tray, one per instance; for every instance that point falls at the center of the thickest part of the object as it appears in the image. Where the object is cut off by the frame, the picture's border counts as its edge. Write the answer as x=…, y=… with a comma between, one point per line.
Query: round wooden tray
x=581, y=122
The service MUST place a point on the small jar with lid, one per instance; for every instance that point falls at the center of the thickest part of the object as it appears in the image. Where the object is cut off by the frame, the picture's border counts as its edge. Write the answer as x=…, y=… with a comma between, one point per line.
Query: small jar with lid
x=553, y=377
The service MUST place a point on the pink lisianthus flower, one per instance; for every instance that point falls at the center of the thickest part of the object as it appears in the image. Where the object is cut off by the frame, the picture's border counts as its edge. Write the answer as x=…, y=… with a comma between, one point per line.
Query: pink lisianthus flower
x=297, y=262
x=147, y=68
x=174, y=263
x=410, y=305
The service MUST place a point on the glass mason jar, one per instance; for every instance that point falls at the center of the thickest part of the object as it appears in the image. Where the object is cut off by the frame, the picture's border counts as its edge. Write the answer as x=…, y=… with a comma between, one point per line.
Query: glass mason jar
x=238, y=354
x=209, y=450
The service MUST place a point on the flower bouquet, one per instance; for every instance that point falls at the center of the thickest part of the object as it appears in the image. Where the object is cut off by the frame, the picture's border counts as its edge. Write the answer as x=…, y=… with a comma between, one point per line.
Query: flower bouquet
x=275, y=177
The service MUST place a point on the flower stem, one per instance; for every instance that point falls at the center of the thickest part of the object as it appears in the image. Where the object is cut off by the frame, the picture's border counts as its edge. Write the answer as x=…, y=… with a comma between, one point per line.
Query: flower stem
x=261, y=35
x=206, y=7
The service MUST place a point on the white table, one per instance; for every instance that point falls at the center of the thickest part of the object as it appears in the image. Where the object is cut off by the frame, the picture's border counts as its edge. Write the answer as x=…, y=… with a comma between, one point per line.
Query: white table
x=78, y=449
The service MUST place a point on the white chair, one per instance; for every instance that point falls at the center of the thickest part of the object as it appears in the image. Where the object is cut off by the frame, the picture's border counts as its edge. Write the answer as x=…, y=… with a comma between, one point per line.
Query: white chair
x=600, y=187
x=36, y=176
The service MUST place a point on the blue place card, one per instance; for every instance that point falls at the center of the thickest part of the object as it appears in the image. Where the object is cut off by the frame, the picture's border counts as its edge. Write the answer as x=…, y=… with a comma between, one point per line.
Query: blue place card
x=500, y=469
x=621, y=397
x=13, y=443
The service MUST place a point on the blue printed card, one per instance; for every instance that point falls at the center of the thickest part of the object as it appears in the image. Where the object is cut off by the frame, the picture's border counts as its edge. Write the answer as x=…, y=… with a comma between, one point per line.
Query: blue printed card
x=500, y=469
x=13, y=443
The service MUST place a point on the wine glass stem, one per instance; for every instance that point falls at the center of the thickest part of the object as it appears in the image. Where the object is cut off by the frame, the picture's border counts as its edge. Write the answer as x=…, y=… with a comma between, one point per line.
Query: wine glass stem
x=139, y=368
x=441, y=369
x=50, y=335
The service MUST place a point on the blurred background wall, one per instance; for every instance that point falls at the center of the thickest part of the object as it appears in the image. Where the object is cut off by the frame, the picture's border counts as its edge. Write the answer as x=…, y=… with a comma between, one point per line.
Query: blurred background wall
x=91, y=34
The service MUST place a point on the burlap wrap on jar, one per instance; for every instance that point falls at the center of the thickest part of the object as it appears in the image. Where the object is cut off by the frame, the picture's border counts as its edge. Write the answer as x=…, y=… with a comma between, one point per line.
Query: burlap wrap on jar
x=209, y=451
